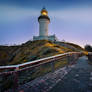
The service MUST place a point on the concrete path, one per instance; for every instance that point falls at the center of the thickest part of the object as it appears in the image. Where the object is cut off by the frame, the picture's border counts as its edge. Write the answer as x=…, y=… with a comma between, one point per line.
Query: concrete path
x=45, y=83
x=79, y=79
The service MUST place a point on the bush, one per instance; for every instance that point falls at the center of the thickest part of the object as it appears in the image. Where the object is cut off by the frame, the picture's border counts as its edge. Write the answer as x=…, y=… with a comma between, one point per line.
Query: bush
x=88, y=48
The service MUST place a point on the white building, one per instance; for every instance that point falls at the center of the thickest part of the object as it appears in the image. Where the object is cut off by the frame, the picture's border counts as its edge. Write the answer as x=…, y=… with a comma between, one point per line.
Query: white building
x=44, y=20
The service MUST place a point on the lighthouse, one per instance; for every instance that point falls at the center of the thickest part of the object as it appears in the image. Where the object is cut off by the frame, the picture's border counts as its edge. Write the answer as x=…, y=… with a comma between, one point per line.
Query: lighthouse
x=44, y=21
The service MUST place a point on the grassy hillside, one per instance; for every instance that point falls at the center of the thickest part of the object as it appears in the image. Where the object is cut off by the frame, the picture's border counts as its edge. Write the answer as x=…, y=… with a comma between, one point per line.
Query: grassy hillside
x=33, y=50
x=72, y=46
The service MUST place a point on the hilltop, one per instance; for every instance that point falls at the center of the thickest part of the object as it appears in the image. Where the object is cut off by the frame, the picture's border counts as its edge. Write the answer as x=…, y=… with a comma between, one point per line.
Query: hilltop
x=72, y=46
x=33, y=50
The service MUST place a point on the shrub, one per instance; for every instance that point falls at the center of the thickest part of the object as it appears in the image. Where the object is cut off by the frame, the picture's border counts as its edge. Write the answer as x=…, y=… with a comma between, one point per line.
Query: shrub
x=88, y=48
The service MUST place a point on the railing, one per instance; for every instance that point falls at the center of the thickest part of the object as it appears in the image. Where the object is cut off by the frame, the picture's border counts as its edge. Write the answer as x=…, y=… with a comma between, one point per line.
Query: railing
x=14, y=75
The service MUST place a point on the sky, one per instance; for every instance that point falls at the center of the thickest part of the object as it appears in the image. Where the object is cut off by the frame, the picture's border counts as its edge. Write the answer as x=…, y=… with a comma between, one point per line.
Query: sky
x=71, y=20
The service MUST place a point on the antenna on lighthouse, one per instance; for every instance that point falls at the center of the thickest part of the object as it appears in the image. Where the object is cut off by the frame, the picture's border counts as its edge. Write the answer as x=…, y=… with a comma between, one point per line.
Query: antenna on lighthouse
x=43, y=7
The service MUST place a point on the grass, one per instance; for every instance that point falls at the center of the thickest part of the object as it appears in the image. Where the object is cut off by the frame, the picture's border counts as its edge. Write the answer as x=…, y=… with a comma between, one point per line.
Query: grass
x=31, y=50
x=41, y=70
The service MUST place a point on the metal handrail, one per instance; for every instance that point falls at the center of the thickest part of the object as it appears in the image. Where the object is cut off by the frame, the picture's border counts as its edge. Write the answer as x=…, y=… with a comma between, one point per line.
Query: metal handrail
x=35, y=61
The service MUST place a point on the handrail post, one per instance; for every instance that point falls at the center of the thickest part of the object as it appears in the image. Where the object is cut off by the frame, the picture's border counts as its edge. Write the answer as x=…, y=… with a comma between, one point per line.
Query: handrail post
x=68, y=60
x=53, y=65
x=16, y=79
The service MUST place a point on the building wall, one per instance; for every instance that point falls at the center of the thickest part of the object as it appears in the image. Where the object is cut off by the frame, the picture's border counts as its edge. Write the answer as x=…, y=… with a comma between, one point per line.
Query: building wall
x=50, y=38
x=43, y=27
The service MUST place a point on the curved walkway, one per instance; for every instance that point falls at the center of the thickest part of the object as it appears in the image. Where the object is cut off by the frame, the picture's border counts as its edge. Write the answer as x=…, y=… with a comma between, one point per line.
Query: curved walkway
x=79, y=79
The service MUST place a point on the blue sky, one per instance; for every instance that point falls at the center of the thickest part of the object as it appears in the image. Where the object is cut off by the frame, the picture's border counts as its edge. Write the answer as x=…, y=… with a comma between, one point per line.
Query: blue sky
x=71, y=20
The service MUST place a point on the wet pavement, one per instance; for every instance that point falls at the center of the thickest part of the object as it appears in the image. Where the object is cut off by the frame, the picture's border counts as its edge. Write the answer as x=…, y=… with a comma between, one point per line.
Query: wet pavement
x=79, y=79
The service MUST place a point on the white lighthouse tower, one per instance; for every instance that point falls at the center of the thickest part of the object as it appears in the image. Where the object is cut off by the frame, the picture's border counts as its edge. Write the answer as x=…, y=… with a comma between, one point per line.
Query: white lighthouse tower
x=44, y=20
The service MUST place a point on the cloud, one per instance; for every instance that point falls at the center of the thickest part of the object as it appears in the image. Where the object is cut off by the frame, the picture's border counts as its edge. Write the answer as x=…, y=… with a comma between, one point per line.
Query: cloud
x=12, y=13
x=83, y=15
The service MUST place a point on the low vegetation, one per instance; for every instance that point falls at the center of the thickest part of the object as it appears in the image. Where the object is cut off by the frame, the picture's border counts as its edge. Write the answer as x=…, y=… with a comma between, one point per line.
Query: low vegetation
x=33, y=50
x=88, y=48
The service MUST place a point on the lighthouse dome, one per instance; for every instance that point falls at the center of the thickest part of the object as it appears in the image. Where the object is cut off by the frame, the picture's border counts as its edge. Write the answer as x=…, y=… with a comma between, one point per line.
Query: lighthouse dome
x=44, y=15
x=44, y=12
